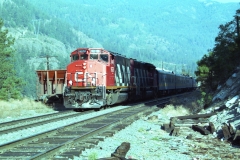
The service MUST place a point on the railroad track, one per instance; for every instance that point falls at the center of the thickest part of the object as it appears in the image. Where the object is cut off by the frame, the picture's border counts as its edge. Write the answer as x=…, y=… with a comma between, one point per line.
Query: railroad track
x=26, y=121
x=16, y=125
x=13, y=126
x=72, y=139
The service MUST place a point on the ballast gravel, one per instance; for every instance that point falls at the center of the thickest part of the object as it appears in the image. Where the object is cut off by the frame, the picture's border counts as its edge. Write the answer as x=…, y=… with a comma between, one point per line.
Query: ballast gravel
x=13, y=136
x=147, y=142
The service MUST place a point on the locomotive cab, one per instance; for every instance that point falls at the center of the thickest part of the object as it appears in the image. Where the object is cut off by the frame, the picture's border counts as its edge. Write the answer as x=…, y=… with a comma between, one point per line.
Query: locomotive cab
x=85, y=85
x=80, y=55
x=85, y=66
x=90, y=54
x=99, y=55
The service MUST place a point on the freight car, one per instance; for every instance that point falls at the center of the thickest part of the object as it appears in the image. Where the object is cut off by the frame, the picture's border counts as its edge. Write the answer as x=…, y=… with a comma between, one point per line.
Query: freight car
x=171, y=83
x=96, y=78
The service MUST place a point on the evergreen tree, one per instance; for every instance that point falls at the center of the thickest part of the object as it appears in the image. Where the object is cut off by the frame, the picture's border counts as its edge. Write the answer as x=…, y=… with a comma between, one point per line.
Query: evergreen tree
x=221, y=61
x=214, y=69
x=10, y=84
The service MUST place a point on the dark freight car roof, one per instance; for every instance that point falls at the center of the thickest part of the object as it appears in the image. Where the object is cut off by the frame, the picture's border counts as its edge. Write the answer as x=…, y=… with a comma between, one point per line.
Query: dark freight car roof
x=141, y=62
x=150, y=65
x=116, y=54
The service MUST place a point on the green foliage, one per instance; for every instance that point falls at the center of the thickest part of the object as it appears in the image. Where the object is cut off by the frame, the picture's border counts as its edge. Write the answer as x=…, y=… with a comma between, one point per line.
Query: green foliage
x=20, y=13
x=23, y=15
x=155, y=138
x=153, y=32
x=93, y=156
x=206, y=98
x=141, y=130
x=204, y=71
x=10, y=86
x=221, y=61
x=147, y=31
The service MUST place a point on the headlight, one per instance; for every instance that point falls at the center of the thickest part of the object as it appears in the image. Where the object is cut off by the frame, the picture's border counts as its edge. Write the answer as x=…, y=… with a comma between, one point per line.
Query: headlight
x=70, y=82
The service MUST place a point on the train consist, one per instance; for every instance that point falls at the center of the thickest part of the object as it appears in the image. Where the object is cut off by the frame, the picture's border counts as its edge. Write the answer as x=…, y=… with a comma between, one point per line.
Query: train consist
x=96, y=78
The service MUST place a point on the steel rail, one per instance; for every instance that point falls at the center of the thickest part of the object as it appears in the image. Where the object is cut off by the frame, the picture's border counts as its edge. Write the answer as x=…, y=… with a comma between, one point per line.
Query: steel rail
x=45, y=116
x=53, y=150
x=59, y=148
x=46, y=133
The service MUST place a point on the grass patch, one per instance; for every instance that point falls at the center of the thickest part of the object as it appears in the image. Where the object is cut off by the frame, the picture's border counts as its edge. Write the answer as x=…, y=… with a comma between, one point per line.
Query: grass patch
x=155, y=139
x=93, y=156
x=141, y=130
x=25, y=107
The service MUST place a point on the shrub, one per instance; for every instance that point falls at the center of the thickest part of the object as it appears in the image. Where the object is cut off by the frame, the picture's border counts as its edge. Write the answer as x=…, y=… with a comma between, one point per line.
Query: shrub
x=93, y=156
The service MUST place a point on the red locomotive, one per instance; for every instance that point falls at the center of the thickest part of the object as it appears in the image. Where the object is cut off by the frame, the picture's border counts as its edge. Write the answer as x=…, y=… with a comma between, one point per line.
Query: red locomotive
x=97, y=77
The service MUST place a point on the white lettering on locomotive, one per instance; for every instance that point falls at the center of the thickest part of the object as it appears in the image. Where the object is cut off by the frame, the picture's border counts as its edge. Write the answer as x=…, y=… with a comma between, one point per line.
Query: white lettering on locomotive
x=79, y=79
x=128, y=75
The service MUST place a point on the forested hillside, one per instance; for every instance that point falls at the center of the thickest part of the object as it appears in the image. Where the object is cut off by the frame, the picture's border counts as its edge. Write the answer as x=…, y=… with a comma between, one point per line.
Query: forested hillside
x=177, y=33
x=215, y=68
x=172, y=31
x=38, y=35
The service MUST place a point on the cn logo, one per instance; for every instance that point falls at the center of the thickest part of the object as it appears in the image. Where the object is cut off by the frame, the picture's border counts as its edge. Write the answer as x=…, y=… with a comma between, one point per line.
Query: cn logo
x=77, y=79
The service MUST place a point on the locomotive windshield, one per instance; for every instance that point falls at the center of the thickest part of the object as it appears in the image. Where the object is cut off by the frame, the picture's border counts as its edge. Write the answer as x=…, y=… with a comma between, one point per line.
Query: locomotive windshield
x=93, y=56
x=83, y=56
x=94, y=53
x=80, y=55
x=75, y=57
x=104, y=57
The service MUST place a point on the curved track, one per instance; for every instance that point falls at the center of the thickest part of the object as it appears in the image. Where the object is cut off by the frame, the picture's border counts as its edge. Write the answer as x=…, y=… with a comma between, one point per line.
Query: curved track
x=72, y=139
